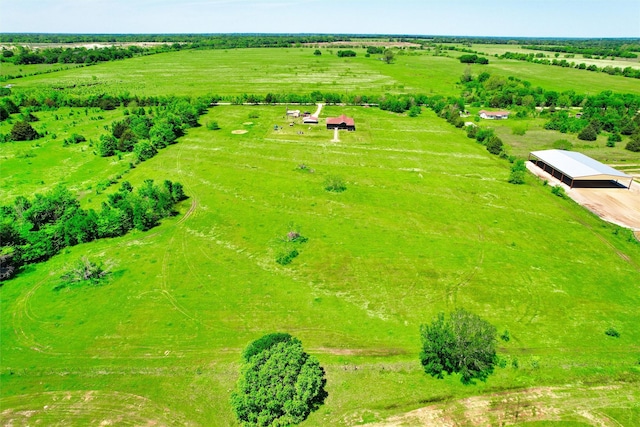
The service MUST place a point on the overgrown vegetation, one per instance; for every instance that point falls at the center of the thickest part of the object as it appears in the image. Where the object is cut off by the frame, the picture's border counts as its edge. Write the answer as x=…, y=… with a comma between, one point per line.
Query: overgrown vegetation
x=33, y=230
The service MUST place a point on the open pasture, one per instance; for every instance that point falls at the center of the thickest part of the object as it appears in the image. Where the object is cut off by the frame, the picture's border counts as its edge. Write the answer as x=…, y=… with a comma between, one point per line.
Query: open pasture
x=427, y=223
x=297, y=70
x=37, y=166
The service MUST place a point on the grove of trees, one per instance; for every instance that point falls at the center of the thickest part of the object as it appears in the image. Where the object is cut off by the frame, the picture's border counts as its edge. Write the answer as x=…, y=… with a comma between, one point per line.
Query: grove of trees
x=34, y=229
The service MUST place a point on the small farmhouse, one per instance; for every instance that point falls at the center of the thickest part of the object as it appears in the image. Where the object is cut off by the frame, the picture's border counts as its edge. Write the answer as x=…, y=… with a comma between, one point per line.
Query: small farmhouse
x=342, y=122
x=494, y=115
x=293, y=113
x=312, y=120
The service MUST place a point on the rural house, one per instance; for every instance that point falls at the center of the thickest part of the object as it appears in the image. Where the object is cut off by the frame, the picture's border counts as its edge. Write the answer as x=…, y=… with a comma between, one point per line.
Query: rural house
x=342, y=122
x=494, y=115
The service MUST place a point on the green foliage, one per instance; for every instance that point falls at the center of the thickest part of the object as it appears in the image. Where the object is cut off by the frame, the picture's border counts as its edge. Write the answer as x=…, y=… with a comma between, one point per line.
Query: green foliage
x=494, y=145
x=264, y=343
x=317, y=52
x=74, y=139
x=518, y=171
x=213, y=126
x=464, y=343
x=634, y=143
x=505, y=336
x=23, y=131
x=286, y=255
x=519, y=130
x=589, y=133
x=33, y=230
x=85, y=271
x=563, y=144
x=559, y=191
x=346, y=53
x=473, y=59
x=415, y=111
x=144, y=151
x=334, y=184
x=612, y=332
x=389, y=56
x=279, y=383
x=107, y=145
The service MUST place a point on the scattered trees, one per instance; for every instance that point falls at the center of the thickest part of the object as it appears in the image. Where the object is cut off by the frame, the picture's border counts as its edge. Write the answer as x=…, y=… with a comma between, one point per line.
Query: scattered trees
x=279, y=383
x=33, y=230
x=463, y=343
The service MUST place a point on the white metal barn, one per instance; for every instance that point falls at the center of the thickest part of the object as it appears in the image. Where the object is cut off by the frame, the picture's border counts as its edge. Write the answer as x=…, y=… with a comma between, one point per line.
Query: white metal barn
x=576, y=169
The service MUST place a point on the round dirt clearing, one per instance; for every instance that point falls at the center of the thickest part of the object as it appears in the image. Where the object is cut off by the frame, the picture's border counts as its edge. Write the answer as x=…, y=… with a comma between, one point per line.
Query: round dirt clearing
x=239, y=131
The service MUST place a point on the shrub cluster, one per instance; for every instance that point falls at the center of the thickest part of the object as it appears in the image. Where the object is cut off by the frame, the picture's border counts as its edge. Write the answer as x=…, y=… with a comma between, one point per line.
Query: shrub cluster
x=33, y=230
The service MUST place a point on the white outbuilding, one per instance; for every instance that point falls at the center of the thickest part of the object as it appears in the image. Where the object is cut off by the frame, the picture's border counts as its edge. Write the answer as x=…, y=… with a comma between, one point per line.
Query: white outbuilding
x=575, y=168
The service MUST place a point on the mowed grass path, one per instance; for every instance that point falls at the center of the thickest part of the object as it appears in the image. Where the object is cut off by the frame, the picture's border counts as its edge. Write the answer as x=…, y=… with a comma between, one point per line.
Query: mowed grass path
x=428, y=223
x=297, y=70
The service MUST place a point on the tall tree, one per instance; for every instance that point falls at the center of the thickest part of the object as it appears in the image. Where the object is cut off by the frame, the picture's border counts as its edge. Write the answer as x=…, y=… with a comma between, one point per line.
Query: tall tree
x=464, y=343
x=279, y=383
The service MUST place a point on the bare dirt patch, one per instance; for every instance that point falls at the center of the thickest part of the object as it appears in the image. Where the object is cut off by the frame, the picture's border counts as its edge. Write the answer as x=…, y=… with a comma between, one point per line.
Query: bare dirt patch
x=616, y=205
x=239, y=131
x=247, y=123
x=576, y=403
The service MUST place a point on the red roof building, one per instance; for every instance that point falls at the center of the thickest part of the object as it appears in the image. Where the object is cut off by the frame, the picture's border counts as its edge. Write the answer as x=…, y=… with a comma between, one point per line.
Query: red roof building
x=342, y=122
x=494, y=115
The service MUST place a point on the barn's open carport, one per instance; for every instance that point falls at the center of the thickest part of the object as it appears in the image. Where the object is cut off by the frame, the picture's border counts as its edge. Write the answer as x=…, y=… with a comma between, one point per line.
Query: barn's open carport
x=577, y=170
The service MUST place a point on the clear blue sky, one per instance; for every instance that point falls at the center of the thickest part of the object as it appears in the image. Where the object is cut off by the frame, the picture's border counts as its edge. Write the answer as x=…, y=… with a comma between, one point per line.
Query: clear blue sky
x=536, y=18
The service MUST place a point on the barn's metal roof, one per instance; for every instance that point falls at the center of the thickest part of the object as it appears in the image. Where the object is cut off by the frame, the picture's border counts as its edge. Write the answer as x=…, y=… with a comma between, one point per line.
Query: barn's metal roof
x=577, y=165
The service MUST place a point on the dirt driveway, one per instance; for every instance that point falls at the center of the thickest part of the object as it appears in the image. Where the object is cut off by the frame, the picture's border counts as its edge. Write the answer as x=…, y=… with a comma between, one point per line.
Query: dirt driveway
x=616, y=205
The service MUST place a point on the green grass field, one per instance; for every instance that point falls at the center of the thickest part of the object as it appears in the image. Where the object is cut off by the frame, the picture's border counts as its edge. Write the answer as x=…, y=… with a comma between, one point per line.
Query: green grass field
x=428, y=223
x=297, y=70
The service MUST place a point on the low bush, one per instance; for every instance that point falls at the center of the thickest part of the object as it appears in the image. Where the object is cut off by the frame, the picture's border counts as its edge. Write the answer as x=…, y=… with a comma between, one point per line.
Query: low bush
x=612, y=332
x=334, y=184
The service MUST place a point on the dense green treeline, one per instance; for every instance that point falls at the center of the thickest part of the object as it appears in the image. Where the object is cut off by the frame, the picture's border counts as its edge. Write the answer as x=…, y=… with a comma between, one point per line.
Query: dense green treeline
x=78, y=55
x=620, y=51
x=34, y=229
x=538, y=58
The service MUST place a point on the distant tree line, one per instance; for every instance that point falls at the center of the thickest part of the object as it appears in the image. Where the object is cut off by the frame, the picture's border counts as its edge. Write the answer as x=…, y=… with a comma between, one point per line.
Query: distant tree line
x=34, y=229
x=619, y=51
x=538, y=58
x=77, y=55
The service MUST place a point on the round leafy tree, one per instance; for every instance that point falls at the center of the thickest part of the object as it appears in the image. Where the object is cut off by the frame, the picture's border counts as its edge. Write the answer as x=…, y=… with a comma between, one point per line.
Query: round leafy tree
x=464, y=343
x=279, y=383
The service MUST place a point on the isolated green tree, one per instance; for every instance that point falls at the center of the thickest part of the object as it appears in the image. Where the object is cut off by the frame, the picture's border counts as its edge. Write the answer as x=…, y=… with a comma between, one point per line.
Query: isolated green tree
x=23, y=131
x=388, y=56
x=317, y=52
x=589, y=133
x=464, y=344
x=279, y=384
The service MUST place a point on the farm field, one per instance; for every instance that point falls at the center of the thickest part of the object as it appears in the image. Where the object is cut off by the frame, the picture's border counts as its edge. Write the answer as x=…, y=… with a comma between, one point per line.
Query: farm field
x=186, y=297
x=500, y=49
x=428, y=223
x=297, y=70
